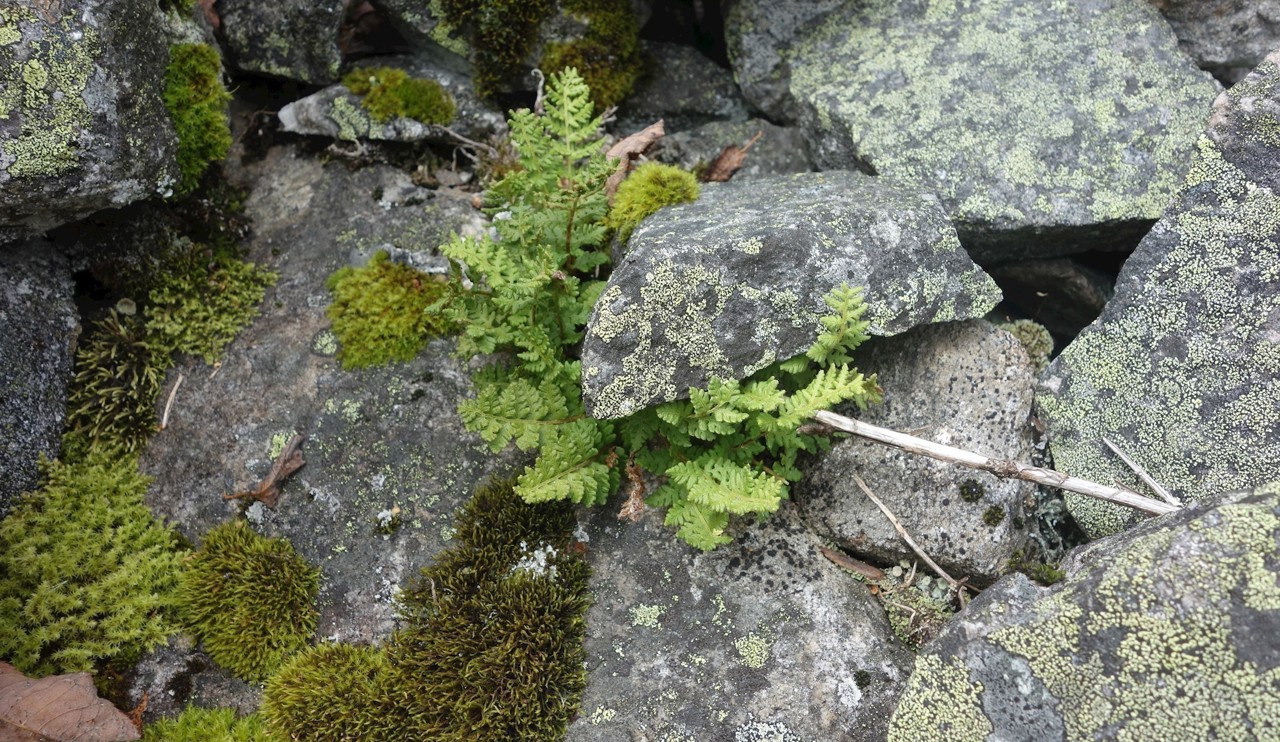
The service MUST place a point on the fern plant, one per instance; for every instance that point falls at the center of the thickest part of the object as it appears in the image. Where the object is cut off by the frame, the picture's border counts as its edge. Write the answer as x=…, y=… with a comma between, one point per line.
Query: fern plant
x=525, y=296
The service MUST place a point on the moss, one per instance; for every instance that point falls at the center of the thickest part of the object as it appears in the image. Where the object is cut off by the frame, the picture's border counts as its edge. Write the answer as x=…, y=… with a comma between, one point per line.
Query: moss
x=380, y=312
x=502, y=34
x=1035, y=339
x=86, y=573
x=971, y=490
x=1042, y=572
x=199, y=309
x=493, y=648
x=250, y=600
x=334, y=692
x=652, y=186
x=207, y=725
x=993, y=516
x=915, y=618
x=389, y=93
x=197, y=105
x=608, y=53
x=112, y=398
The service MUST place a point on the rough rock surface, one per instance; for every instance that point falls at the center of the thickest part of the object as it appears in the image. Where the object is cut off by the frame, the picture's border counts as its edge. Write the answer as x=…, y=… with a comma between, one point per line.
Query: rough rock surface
x=762, y=639
x=1182, y=370
x=967, y=384
x=780, y=150
x=1031, y=153
x=375, y=439
x=727, y=285
x=1164, y=632
x=178, y=674
x=82, y=123
x=289, y=39
x=759, y=34
x=38, y=328
x=1228, y=37
x=683, y=87
x=337, y=113
x=1060, y=293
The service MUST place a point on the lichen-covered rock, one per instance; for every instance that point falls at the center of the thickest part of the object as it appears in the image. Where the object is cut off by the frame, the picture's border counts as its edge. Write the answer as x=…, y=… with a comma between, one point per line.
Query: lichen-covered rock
x=1164, y=632
x=38, y=328
x=735, y=281
x=387, y=458
x=967, y=384
x=1182, y=370
x=779, y=150
x=763, y=639
x=289, y=39
x=760, y=35
x=337, y=113
x=1228, y=37
x=987, y=104
x=682, y=87
x=82, y=123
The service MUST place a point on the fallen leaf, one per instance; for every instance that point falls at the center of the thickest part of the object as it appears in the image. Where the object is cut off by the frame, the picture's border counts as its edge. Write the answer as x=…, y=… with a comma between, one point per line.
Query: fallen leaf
x=62, y=708
x=840, y=559
x=727, y=162
x=627, y=150
x=211, y=14
x=268, y=490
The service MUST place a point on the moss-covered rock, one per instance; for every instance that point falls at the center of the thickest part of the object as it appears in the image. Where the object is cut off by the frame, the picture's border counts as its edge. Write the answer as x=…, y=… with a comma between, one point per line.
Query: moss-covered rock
x=1182, y=369
x=1159, y=633
x=652, y=186
x=197, y=103
x=207, y=725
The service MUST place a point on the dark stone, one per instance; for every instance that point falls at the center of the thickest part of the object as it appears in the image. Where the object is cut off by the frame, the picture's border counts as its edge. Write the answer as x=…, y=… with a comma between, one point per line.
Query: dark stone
x=288, y=39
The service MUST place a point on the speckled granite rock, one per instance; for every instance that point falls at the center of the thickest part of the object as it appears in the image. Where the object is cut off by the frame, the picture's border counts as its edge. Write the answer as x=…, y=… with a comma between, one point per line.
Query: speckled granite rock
x=1228, y=37
x=967, y=384
x=759, y=35
x=1164, y=632
x=780, y=150
x=337, y=113
x=731, y=283
x=38, y=329
x=375, y=439
x=986, y=103
x=760, y=640
x=82, y=124
x=1182, y=370
x=288, y=39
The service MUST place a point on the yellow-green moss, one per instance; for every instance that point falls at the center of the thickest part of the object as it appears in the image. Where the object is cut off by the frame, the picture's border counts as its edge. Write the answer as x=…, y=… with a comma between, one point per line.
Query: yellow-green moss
x=652, y=186
x=608, y=53
x=1035, y=340
x=379, y=312
x=389, y=93
x=334, y=693
x=86, y=573
x=207, y=725
x=249, y=599
x=197, y=104
x=501, y=33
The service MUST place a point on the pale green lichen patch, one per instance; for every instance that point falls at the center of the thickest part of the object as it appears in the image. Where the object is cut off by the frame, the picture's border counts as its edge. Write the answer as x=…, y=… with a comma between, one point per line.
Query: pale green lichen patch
x=753, y=650
x=1167, y=648
x=647, y=615
x=988, y=105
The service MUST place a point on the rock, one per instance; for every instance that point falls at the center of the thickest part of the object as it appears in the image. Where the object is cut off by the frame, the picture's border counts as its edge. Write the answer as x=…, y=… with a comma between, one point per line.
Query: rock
x=760, y=35
x=780, y=150
x=1227, y=37
x=967, y=384
x=1031, y=153
x=762, y=639
x=178, y=674
x=1182, y=369
x=1164, y=632
x=337, y=113
x=1059, y=293
x=289, y=39
x=82, y=123
x=375, y=439
x=734, y=281
x=38, y=329
x=683, y=88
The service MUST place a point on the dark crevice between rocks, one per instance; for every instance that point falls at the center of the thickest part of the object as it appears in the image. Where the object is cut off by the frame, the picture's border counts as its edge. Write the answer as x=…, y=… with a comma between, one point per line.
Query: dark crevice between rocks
x=696, y=23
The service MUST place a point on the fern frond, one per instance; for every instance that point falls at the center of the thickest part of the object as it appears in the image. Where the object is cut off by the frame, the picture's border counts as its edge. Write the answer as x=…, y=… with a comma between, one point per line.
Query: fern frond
x=829, y=388
x=571, y=466
x=514, y=408
x=719, y=484
x=700, y=527
x=844, y=329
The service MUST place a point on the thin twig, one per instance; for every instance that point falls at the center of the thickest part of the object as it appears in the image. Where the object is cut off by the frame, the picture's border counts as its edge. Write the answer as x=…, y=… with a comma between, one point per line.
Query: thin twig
x=168, y=405
x=999, y=467
x=1143, y=475
x=493, y=152
x=902, y=532
x=539, y=101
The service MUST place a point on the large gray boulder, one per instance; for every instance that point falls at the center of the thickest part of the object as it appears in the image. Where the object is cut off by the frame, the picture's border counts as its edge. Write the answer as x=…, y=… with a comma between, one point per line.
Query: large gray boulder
x=682, y=87
x=1182, y=370
x=777, y=150
x=288, y=39
x=1228, y=37
x=1164, y=632
x=733, y=282
x=965, y=384
x=762, y=639
x=989, y=105
x=82, y=123
x=38, y=329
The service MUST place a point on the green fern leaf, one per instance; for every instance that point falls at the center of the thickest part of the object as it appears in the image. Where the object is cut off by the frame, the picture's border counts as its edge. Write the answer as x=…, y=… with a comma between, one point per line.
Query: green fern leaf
x=570, y=466
x=719, y=484
x=516, y=408
x=700, y=527
x=843, y=330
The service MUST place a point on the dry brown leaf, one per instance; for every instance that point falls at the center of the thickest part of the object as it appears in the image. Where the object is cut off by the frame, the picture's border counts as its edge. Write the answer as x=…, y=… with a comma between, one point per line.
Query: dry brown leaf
x=62, y=708
x=211, y=14
x=627, y=150
x=728, y=161
x=268, y=490
x=840, y=559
